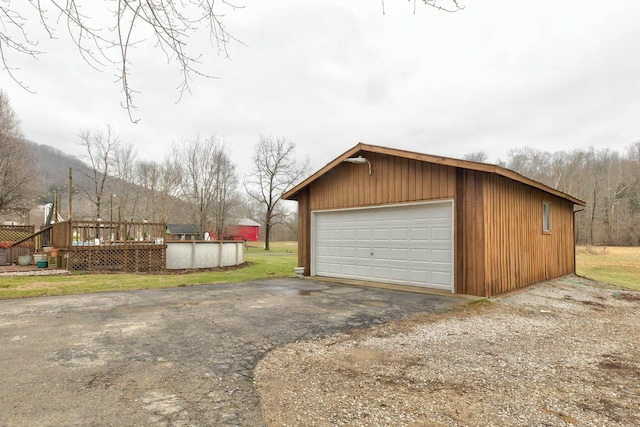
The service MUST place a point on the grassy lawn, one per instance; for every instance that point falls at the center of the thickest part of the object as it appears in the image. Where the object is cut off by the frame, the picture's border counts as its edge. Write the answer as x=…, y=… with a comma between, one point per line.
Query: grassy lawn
x=278, y=262
x=616, y=265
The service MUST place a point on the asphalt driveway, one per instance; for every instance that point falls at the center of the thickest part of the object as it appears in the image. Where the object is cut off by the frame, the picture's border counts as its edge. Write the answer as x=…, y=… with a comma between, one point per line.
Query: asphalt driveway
x=170, y=357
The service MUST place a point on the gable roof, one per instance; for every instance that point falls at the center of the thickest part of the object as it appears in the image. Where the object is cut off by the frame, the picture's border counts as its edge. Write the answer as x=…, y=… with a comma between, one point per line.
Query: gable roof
x=182, y=229
x=464, y=164
x=248, y=222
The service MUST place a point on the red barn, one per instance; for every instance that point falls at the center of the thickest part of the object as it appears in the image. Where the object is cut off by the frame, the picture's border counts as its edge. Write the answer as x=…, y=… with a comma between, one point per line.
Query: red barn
x=248, y=230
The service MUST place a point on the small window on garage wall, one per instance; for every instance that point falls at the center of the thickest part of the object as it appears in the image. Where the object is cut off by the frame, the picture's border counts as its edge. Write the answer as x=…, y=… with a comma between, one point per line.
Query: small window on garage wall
x=546, y=217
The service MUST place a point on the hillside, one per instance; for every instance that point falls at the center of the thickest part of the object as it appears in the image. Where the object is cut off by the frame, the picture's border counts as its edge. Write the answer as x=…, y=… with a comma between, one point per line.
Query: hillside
x=52, y=168
x=51, y=174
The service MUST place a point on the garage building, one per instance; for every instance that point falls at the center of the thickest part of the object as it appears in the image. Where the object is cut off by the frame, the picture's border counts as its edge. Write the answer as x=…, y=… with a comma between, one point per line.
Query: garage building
x=392, y=216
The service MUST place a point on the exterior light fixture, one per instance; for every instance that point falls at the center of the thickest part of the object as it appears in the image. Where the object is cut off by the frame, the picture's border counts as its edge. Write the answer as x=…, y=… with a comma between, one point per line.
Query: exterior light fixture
x=358, y=159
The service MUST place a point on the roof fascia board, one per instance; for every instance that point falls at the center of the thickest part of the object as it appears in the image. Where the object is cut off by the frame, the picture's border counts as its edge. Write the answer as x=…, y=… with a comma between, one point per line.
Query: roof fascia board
x=464, y=164
x=290, y=195
x=468, y=164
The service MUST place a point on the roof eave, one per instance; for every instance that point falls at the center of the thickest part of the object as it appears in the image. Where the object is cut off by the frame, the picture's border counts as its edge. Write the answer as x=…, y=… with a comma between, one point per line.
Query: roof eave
x=448, y=161
x=293, y=193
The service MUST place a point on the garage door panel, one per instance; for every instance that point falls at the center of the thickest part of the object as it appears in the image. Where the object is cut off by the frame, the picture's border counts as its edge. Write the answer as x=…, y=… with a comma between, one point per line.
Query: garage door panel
x=381, y=234
x=334, y=234
x=440, y=212
x=399, y=254
x=334, y=260
x=441, y=233
x=441, y=256
x=420, y=233
x=420, y=277
x=419, y=255
x=363, y=234
x=399, y=234
x=349, y=269
x=322, y=234
x=348, y=252
x=363, y=270
x=390, y=215
x=334, y=251
x=349, y=233
x=381, y=253
x=403, y=245
x=440, y=278
x=439, y=268
x=382, y=272
x=418, y=214
x=363, y=252
x=399, y=275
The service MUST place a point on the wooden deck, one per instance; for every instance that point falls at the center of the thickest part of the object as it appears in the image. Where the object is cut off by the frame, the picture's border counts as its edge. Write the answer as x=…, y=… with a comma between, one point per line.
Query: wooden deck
x=99, y=246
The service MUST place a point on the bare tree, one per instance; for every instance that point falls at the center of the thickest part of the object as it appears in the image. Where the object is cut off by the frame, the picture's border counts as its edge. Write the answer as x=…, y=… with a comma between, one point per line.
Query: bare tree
x=207, y=180
x=275, y=171
x=192, y=159
x=122, y=189
x=169, y=191
x=531, y=162
x=477, y=156
x=629, y=199
x=224, y=192
x=15, y=158
x=147, y=177
x=106, y=32
x=609, y=183
x=159, y=185
x=248, y=207
x=100, y=149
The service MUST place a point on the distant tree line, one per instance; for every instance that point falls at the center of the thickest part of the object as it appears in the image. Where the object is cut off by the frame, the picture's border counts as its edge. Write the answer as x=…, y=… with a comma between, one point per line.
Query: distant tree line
x=195, y=183
x=608, y=181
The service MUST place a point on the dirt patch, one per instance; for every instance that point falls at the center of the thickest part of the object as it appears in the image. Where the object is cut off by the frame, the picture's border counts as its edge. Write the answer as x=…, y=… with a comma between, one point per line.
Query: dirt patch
x=561, y=353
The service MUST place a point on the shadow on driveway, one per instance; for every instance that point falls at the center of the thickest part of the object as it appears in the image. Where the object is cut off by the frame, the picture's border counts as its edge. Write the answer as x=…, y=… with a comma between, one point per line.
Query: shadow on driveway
x=181, y=356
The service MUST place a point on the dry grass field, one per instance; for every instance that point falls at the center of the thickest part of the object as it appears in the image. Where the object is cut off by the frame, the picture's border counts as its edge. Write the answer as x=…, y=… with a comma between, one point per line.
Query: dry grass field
x=615, y=265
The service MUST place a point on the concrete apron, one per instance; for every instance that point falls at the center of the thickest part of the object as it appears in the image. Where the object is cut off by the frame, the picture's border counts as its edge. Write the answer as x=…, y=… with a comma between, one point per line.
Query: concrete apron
x=392, y=287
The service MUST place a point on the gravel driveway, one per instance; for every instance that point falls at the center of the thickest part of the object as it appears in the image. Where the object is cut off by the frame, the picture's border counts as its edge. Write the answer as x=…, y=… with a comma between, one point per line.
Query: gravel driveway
x=566, y=352
x=171, y=357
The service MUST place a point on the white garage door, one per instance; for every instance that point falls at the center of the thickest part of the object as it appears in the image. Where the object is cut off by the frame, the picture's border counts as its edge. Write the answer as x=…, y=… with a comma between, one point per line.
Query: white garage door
x=409, y=244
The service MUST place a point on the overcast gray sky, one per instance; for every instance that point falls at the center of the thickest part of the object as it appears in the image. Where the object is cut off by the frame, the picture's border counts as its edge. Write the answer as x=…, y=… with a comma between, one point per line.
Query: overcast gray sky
x=328, y=74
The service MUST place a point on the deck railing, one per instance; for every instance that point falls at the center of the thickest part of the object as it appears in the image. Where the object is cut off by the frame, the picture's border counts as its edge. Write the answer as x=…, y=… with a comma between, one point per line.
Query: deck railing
x=13, y=233
x=9, y=235
x=101, y=246
x=31, y=244
x=98, y=233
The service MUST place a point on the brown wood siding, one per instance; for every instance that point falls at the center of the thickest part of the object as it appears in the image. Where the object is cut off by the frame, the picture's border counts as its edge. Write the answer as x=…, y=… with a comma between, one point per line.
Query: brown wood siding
x=469, y=233
x=518, y=253
x=304, y=232
x=499, y=243
x=393, y=180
